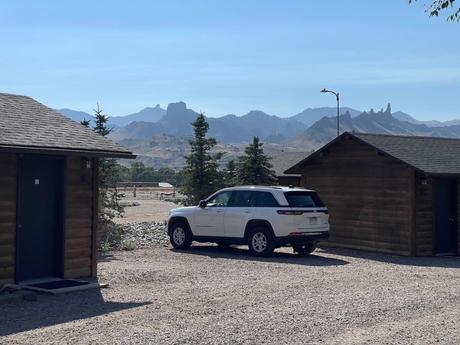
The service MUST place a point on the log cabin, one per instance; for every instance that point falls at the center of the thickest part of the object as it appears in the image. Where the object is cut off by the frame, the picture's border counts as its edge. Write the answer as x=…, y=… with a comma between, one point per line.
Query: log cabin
x=385, y=193
x=48, y=192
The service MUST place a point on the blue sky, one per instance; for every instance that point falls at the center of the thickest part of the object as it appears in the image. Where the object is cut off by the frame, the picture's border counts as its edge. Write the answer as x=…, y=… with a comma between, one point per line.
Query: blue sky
x=229, y=56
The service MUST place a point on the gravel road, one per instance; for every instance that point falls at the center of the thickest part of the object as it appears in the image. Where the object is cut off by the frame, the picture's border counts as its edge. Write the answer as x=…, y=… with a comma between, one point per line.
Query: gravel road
x=213, y=296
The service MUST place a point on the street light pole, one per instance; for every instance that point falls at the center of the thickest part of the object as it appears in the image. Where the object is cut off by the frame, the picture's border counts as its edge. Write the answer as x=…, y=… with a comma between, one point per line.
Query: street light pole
x=338, y=107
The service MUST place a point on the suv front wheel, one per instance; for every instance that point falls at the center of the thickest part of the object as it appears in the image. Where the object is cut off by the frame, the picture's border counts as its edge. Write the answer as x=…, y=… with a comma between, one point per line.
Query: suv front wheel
x=180, y=236
x=260, y=242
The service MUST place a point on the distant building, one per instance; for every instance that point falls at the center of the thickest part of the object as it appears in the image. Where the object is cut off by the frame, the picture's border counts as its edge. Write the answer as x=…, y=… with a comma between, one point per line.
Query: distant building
x=393, y=194
x=48, y=192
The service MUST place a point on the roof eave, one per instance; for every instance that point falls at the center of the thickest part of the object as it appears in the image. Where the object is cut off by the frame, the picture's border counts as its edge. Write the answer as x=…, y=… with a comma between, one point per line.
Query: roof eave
x=296, y=169
x=67, y=152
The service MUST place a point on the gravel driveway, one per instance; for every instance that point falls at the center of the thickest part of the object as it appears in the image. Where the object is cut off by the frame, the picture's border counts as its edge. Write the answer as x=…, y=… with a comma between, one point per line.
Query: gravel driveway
x=213, y=296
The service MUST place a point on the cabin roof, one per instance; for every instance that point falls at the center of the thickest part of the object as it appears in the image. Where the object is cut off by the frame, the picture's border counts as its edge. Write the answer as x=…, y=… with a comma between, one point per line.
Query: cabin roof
x=29, y=126
x=283, y=160
x=430, y=155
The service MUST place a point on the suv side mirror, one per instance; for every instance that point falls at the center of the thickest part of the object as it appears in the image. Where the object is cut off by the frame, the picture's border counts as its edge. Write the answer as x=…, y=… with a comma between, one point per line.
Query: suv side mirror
x=202, y=204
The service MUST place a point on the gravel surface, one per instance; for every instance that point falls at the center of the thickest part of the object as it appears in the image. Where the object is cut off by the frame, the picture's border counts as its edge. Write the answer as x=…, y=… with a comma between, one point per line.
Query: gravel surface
x=212, y=296
x=146, y=234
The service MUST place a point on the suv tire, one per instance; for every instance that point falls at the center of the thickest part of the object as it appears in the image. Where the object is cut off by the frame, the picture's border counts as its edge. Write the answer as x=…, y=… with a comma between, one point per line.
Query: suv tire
x=260, y=242
x=180, y=236
x=304, y=249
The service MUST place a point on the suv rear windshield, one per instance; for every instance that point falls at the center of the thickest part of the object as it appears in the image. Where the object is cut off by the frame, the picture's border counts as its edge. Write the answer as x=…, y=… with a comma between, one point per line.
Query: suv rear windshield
x=303, y=199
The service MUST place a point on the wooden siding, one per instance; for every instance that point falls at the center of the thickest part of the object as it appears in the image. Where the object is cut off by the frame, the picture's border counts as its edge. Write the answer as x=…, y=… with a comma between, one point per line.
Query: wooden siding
x=424, y=216
x=7, y=217
x=458, y=216
x=369, y=197
x=78, y=218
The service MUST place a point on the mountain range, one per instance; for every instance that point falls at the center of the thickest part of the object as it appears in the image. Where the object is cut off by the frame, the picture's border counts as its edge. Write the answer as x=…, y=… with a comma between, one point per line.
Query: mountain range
x=176, y=120
x=159, y=136
x=381, y=122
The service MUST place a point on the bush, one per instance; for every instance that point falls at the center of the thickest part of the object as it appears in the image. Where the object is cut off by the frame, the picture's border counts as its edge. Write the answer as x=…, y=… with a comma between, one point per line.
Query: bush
x=110, y=236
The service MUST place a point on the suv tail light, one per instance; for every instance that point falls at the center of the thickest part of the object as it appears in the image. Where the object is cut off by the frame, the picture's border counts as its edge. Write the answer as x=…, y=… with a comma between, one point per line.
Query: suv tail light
x=289, y=213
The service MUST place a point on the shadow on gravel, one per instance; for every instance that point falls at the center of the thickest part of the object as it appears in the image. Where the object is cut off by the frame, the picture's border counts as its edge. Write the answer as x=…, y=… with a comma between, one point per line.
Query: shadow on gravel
x=426, y=261
x=51, y=310
x=237, y=253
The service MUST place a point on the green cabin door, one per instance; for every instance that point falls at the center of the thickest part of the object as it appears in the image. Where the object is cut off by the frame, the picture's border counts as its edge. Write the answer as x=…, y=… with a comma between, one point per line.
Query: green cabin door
x=39, y=217
x=445, y=216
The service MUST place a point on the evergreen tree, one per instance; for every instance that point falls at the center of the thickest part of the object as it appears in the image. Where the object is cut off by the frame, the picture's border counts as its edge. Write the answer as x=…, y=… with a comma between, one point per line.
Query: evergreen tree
x=230, y=174
x=254, y=167
x=100, y=122
x=85, y=122
x=201, y=174
x=109, y=174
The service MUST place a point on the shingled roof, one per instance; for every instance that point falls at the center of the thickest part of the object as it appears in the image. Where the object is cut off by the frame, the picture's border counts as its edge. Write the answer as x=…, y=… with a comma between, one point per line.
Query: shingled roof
x=430, y=155
x=27, y=125
x=283, y=160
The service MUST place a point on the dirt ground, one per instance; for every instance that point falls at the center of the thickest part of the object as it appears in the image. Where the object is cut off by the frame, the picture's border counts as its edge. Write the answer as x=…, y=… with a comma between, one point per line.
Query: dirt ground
x=145, y=207
x=212, y=296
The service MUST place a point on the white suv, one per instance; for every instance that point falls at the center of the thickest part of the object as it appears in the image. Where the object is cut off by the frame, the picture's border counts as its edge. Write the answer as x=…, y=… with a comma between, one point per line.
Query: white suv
x=262, y=217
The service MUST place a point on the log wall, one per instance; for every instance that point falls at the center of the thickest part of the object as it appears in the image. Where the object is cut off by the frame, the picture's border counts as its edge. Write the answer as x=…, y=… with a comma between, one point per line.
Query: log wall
x=78, y=218
x=424, y=216
x=458, y=216
x=7, y=217
x=369, y=196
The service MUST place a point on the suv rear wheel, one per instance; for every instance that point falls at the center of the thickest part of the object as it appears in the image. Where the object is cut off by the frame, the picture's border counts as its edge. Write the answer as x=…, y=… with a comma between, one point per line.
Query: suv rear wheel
x=260, y=242
x=180, y=236
x=304, y=249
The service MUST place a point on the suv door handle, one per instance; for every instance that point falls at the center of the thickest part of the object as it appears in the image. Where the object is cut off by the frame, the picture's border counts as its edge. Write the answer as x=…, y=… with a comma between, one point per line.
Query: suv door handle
x=219, y=211
x=247, y=211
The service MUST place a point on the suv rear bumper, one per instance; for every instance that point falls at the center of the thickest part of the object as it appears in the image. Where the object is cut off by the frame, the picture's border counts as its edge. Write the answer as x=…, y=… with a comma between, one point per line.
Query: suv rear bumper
x=302, y=239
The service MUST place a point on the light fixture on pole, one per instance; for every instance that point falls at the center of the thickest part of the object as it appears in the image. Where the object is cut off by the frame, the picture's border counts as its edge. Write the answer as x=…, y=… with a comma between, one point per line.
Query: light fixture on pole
x=338, y=107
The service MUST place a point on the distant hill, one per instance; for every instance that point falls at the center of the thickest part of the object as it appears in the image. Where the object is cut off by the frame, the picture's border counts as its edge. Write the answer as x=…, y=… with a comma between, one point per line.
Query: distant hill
x=270, y=128
x=75, y=115
x=383, y=122
x=432, y=123
x=310, y=115
x=227, y=129
x=145, y=115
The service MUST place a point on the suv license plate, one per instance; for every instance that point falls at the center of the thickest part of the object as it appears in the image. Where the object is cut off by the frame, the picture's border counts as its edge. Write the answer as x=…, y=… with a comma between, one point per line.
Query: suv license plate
x=313, y=220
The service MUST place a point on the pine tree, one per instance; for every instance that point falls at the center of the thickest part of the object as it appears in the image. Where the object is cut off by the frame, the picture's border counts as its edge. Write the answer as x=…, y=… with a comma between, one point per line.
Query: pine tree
x=110, y=173
x=230, y=174
x=100, y=122
x=254, y=167
x=85, y=122
x=202, y=176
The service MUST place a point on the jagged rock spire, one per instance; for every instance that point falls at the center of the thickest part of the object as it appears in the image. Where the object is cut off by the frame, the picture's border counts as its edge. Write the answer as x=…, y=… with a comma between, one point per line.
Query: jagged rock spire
x=388, y=110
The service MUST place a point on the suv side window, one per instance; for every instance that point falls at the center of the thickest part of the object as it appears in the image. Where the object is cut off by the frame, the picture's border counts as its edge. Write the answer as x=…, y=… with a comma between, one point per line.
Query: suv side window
x=219, y=200
x=265, y=199
x=303, y=199
x=240, y=199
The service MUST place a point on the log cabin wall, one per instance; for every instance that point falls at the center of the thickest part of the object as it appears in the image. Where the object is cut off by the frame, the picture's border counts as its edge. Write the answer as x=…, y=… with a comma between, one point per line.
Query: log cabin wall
x=424, y=215
x=369, y=196
x=78, y=218
x=458, y=216
x=8, y=192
